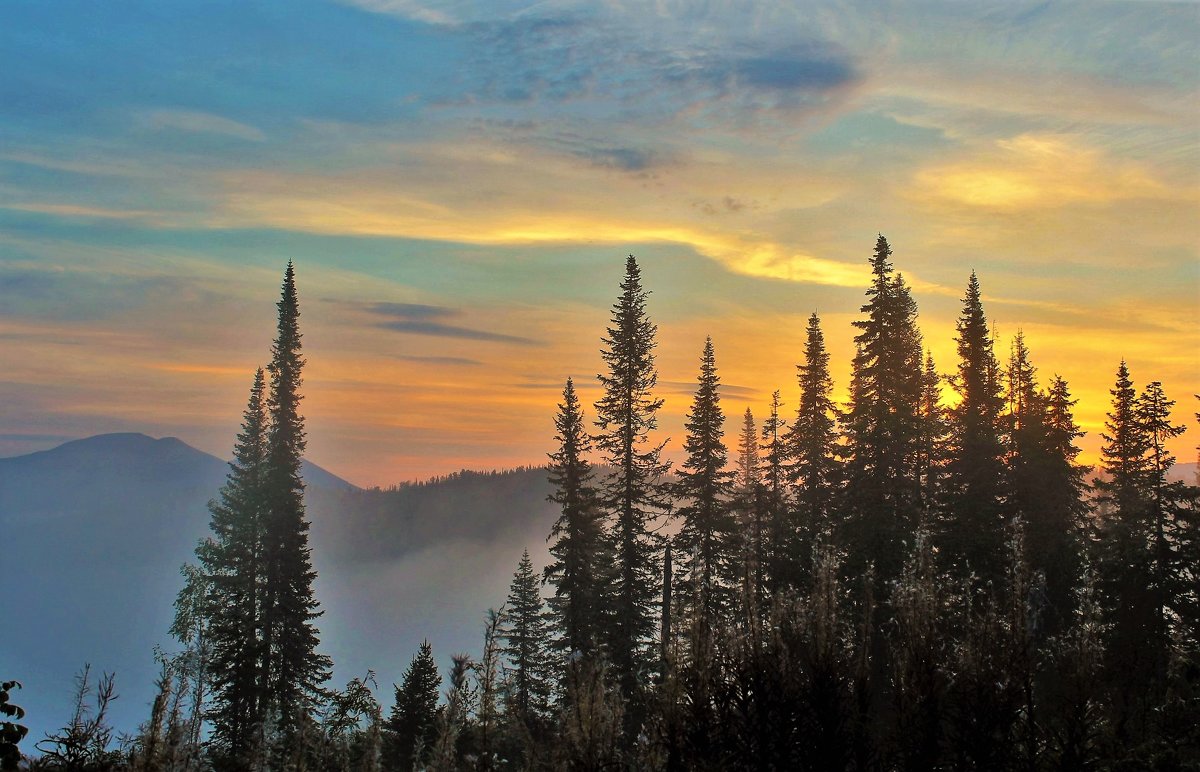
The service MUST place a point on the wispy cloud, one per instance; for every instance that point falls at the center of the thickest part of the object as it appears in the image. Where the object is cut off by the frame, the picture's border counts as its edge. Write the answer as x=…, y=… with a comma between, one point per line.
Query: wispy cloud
x=438, y=360
x=200, y=122
x=420, y=319
x=408, y=9
x=685, y=388
x=1031, y=171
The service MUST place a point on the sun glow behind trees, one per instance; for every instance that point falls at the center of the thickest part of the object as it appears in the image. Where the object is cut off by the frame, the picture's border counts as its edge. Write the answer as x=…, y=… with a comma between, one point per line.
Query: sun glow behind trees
x=860, y=556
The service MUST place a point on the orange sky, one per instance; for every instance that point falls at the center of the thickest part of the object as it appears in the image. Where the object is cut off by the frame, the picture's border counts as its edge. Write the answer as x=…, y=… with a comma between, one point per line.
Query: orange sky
x=458, y=186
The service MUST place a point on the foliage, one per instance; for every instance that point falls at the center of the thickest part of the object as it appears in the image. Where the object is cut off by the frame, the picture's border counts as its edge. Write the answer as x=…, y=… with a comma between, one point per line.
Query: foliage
x=625, y=415
x=11, y=732
x=83, y=744
x=579, y=548
x=411, y=730
x=704, y=491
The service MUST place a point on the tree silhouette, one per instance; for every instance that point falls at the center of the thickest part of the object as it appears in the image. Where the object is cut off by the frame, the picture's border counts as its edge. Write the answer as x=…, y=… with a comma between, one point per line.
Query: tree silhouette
x=704, y=490
x=972, y=532
x=293, y=671
x=579, y=548
x=412, y=727
x=625, y=416
x=882, y=426
x=811, y=444
x=231, y=560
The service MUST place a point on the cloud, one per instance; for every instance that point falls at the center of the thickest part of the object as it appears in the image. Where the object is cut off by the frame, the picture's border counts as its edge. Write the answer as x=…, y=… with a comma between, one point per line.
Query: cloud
x=88, y=212
x=434, y=360
x=419, y=319
x=686, y=388
x=404, y=8
x=812, y=68
x=626, y=158
x=201, y=122
x=1033, y=170
x=415, y=311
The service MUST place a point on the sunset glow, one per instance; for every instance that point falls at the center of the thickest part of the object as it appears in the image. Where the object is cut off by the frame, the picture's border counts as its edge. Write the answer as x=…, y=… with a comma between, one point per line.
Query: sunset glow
x=458, y=185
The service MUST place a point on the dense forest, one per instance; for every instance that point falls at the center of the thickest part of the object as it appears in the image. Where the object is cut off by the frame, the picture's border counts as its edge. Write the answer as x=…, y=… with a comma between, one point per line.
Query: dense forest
x=892, y=583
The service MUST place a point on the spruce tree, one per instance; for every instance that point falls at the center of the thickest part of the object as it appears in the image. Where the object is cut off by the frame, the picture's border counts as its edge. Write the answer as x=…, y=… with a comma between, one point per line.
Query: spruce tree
x=882, y=426
x=579, y=550
x=1064, y=510
x=704, y=488
x=1044, y=485
x=1123, y=456
x=784, y=563
x=412, y=726
x=931, y=456
x=973, y=524
x=748, y=471
x=1128, y=572
x=753, y=511
x=625, y=416
x=526, y=635
x=1167, y=515
x=293, y=671
x=231, y=562
x=811, y=442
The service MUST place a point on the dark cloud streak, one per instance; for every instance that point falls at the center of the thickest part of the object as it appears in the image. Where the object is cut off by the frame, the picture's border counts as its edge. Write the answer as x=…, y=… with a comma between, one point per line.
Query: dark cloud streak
x=421, y=319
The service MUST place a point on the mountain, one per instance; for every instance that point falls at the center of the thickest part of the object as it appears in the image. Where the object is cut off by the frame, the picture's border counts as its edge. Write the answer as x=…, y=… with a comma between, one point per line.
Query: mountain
x=95, y=531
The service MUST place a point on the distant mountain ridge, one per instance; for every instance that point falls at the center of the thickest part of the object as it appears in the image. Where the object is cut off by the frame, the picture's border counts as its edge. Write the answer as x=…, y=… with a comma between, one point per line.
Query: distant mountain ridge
x=95, y=531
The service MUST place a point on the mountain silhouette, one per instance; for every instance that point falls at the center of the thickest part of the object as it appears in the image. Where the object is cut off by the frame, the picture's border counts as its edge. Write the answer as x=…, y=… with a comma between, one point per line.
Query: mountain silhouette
x=95, y=531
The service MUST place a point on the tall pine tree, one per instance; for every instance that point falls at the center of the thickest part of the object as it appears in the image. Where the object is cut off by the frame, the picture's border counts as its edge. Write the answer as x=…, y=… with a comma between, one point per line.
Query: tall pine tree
x=931, y=456
x=526, y=635
x=705, y=488
x=972, y=532
x=579, y=550
x=1044, y=484
x=784, y=566
x=1167, y=512
x=882, y=426
x=231, y=560
x=812, y=443
x=625, y=416
x=752, y=513
x=293, y=672
x=1128, y=572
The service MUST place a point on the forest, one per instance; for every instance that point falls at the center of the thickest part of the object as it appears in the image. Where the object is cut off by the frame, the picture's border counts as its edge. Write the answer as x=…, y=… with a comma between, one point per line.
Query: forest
x=922, y=578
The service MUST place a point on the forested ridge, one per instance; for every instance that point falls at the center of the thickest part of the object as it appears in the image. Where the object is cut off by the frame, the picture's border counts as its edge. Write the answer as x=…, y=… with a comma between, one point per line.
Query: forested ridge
x=899, y=582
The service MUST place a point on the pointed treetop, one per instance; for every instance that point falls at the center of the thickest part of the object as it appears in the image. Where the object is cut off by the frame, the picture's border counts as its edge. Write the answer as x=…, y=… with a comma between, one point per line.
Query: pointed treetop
x=879, y=261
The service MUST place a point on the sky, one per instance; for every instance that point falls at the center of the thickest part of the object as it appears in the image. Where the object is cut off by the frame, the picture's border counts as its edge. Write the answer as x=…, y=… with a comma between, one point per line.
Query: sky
x=458, y=184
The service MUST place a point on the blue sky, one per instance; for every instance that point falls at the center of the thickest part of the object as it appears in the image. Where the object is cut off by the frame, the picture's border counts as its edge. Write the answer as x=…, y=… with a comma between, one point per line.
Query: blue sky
x=458, y=184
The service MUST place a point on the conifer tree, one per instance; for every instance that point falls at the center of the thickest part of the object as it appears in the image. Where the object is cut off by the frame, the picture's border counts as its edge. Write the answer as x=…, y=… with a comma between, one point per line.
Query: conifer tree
x=1044, y=485
x=1123, y=456
x=579, y=549
x=784, y=564
x=973, y=525
x=526, y=637
x=1166, y=515
x=293, y=670
x=882, y=425
x=753, y=512
x=412, y=726
x=1128, y=571
x=774, y=430
x=231, y=562
x=748, y=471
x=932, y=453
x=704, y=487
x=625, y=416
x=811, y=441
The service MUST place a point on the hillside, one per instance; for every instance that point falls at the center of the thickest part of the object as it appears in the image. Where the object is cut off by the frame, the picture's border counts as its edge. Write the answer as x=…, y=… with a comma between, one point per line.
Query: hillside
x=96, y=529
